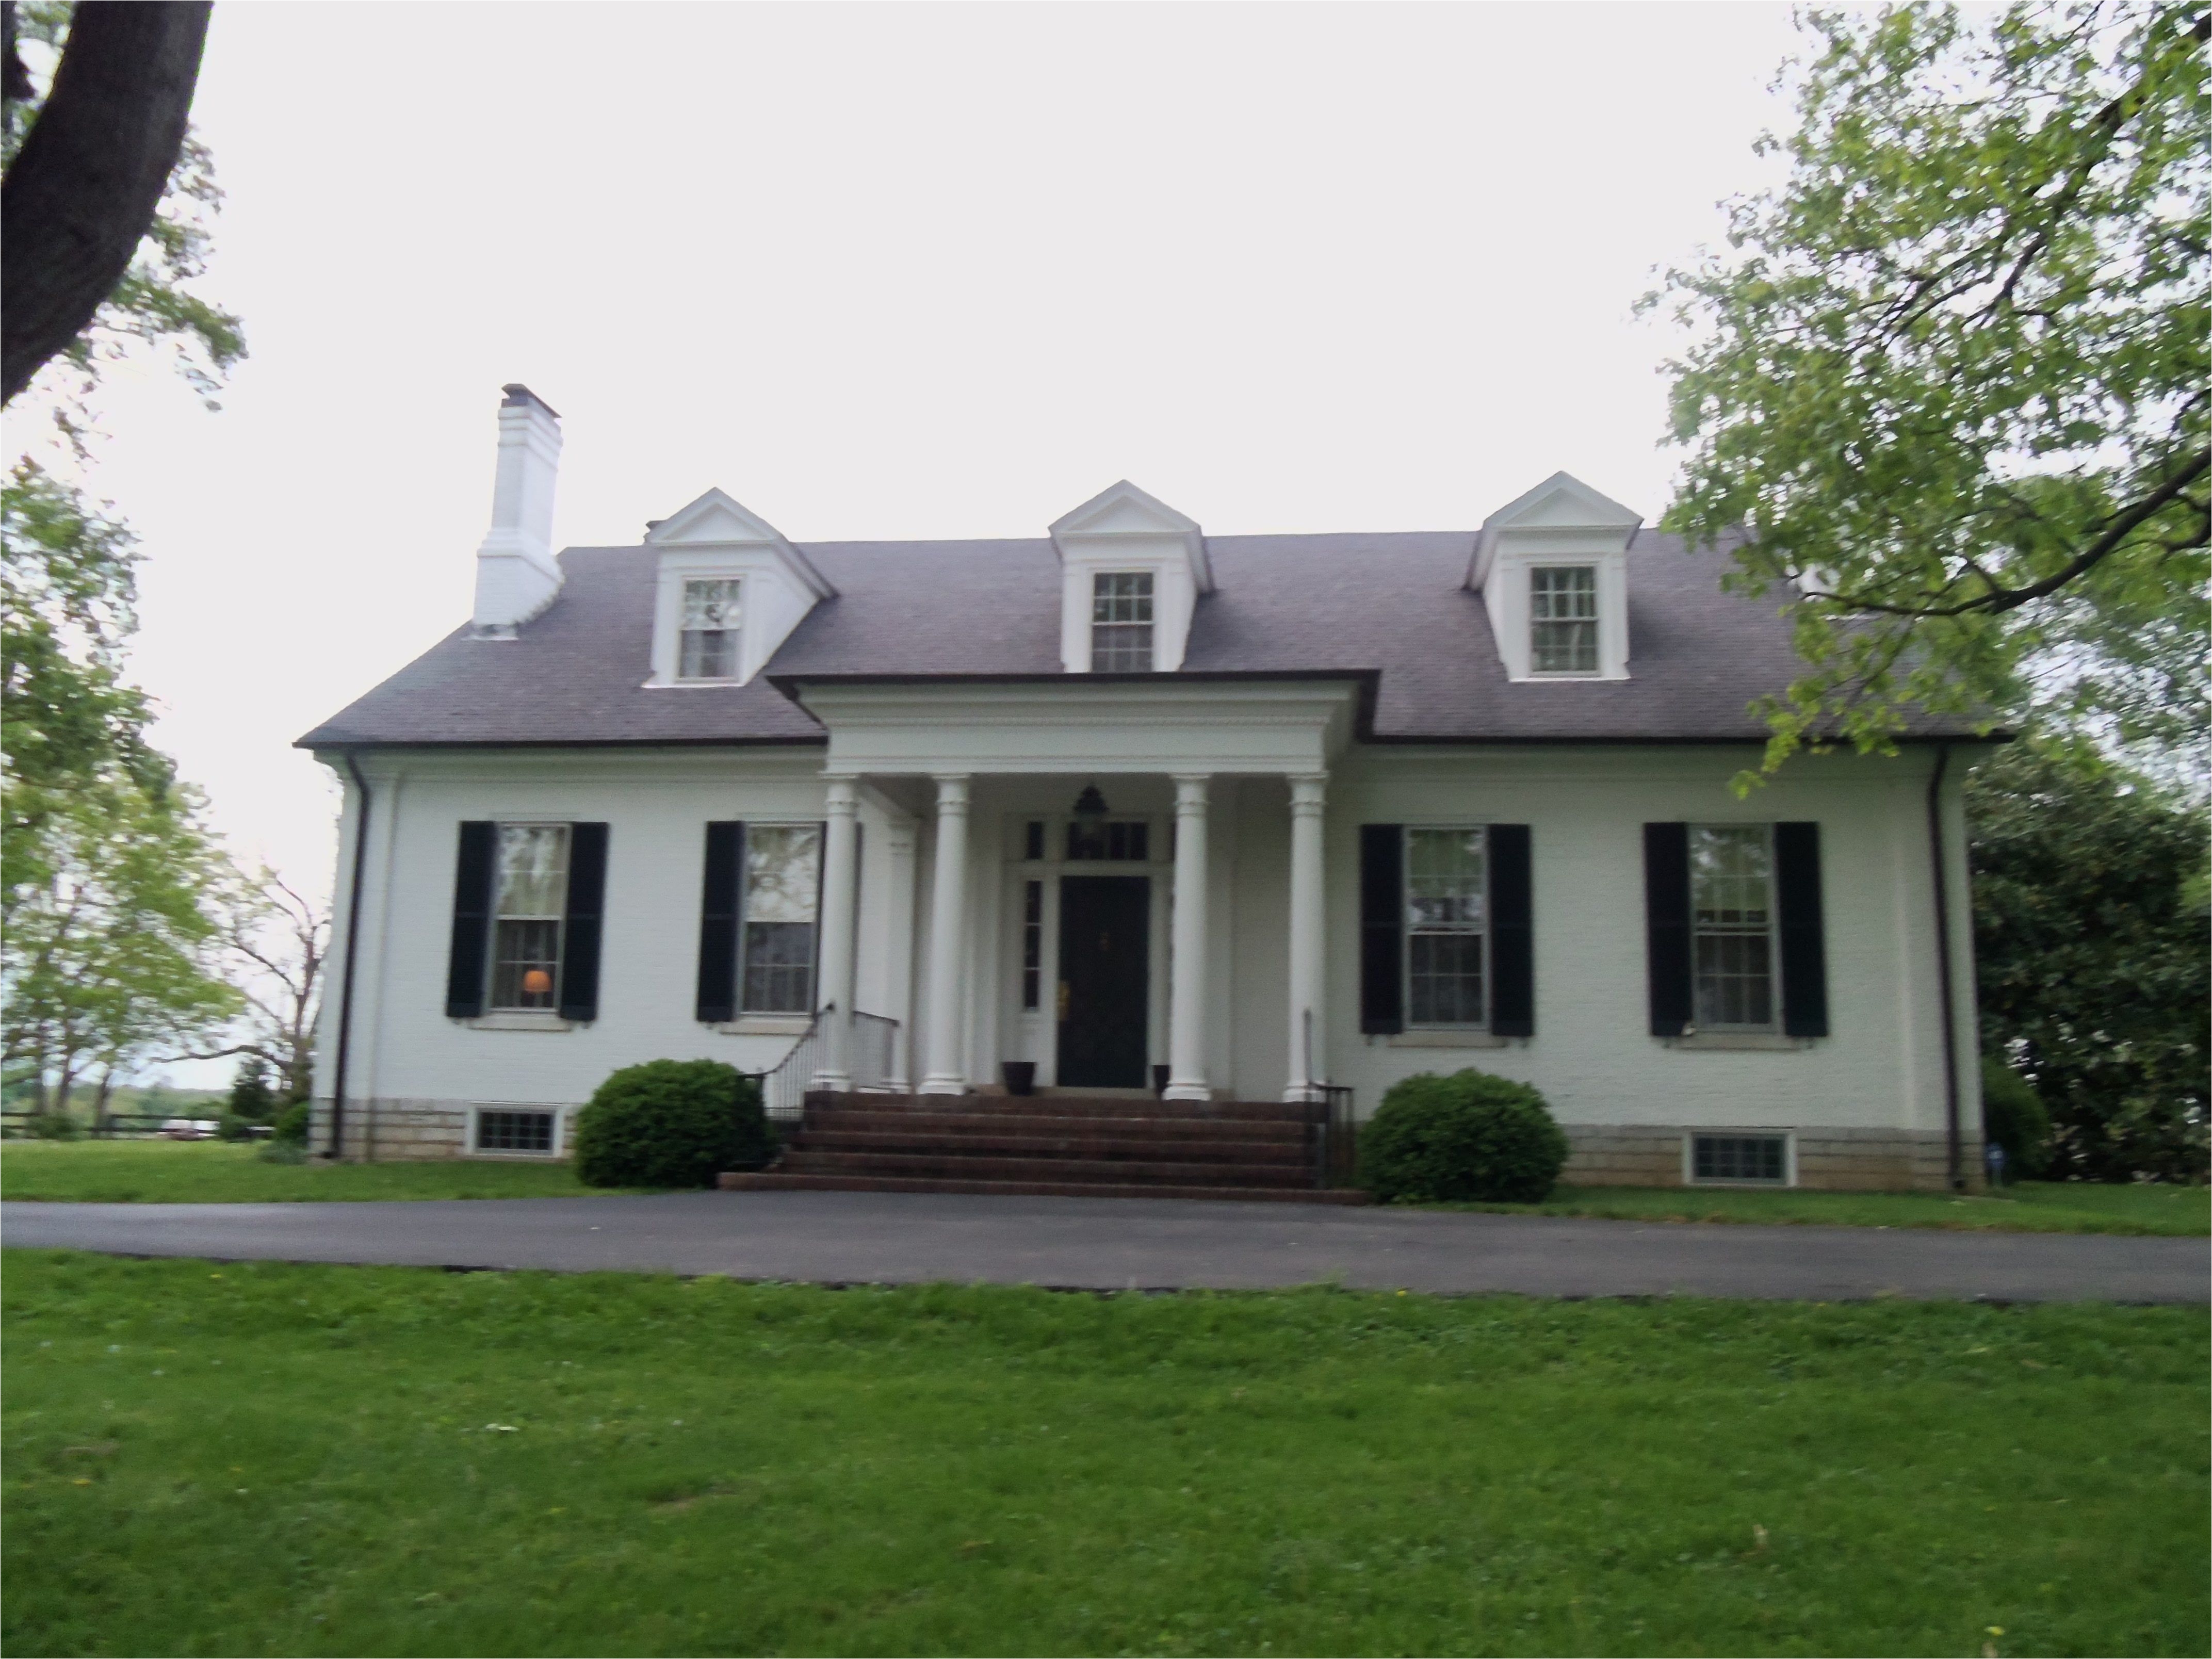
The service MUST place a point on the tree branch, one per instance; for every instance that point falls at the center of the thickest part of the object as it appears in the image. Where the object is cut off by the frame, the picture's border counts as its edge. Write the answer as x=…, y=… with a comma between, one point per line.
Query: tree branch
x=86, y=182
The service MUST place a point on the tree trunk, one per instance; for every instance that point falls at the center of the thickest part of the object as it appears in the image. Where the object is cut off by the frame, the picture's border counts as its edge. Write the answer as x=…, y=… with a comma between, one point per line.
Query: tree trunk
x=100, y=1102
x=90, y=174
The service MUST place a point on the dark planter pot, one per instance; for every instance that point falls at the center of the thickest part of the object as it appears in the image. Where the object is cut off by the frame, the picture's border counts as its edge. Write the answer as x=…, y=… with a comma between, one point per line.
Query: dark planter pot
x=1019, y=1076
x=1160, y=1076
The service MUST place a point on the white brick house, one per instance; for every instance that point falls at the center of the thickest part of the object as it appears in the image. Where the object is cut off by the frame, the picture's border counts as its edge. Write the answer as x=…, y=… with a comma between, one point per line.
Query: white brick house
x=1262, y=812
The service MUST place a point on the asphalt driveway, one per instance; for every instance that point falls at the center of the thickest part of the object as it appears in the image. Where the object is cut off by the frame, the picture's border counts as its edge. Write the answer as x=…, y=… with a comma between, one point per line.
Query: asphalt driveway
x=1090, y=1243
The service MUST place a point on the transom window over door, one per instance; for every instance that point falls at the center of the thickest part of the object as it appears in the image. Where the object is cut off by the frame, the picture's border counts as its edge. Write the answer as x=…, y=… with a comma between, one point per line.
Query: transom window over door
x=709, y=650
x=1121, y=622
x=783, y=863
x=532, y=897
x=1732, y=920
x=1563, y=619
x=1446, y=920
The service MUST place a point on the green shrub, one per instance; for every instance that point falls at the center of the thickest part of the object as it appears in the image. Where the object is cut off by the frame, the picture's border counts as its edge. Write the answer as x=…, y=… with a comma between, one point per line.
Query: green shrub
x=54, y=1126
x=292, y=1124
x=1468, y=1137
x=672, y=1123
x=2014, y=1116
x=282, y=1151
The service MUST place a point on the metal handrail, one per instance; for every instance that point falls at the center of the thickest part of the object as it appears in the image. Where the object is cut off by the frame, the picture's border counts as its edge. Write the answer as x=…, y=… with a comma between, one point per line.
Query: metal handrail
x=1336, y=1130
x=871, y=1042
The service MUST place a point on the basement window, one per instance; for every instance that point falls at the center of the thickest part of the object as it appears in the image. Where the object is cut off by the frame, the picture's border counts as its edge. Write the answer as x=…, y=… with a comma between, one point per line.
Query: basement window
x=526, y=1134
x=1761, y=1160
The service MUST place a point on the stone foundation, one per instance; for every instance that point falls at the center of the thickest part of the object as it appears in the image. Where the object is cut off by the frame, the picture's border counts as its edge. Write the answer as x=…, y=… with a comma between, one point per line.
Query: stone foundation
x=1827, y=1160
x=393, y=1131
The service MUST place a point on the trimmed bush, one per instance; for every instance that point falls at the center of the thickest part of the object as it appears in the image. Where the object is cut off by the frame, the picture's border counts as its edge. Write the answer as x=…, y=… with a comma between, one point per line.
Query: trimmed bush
x=2015, y=1117
x=291, y=1124
x=1470, y=1137
x=672, y=1123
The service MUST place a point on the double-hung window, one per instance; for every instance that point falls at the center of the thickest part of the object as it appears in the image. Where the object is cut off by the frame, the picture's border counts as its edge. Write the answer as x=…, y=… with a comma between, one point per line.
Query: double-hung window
x=1563, y=619
x=1121, y=622
x=710, y=644
x=1447, y=893
x=783, y=864
x=1732, y=917
x=533, y=895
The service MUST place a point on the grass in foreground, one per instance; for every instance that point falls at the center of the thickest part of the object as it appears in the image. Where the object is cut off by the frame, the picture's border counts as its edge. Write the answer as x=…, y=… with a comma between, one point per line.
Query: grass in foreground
x=2035, y=1207
x=277, y=1458
x=212, y=1172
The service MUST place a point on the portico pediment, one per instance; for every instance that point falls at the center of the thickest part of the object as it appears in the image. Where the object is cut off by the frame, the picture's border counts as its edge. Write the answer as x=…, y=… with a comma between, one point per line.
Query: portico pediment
x=1228, y=726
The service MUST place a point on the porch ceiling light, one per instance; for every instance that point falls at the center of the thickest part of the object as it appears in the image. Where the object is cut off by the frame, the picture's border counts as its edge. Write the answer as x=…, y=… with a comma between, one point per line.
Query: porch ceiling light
x=1089, y=812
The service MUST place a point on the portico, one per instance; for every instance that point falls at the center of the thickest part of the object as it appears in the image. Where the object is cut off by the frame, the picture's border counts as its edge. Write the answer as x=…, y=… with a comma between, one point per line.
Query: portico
x=1077, y=888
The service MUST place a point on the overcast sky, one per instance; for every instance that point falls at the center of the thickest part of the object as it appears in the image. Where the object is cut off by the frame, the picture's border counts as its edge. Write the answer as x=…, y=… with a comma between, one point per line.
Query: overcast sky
x=886, y=271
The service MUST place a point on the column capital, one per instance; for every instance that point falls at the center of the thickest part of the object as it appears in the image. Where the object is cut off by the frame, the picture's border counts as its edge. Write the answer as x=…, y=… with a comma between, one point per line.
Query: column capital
x=1191, y=790
x=1308, y=791
x=952, y=792
x=842, y=797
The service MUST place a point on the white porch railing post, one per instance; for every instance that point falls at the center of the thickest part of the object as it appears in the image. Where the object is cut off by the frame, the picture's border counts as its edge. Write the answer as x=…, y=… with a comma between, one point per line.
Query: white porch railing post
x=1187, y=1015
x=948, y=931
x=1308, y=1029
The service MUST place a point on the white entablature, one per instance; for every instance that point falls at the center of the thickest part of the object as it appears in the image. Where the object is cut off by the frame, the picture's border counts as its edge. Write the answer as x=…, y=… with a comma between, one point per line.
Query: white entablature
x=714, y=538
x=1032, y=727
x=1123, y=529
x=1560, y=524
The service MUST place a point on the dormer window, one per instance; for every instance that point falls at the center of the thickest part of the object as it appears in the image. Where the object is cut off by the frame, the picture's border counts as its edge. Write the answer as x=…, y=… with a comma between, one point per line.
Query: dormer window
x=1121, y=622
x=1563, y=619
x=710, y=630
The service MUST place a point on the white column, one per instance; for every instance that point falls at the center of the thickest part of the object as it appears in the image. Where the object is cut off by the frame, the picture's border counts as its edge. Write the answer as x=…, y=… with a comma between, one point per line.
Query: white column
x=1309, y=1026
x=1187, y=968
x=841, y=846
x=898, y=962
x=948, y=930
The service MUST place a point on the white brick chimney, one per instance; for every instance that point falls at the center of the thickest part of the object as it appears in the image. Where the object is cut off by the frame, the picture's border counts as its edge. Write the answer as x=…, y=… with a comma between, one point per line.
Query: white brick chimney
x=516, y=574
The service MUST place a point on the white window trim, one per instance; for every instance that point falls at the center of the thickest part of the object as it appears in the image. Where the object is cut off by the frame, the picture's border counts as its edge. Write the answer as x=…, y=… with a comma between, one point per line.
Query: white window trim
x=560, y=1114
x=1597, y=620
x=1787, y=1137
x=676, y=674
x=526, y=1019
x=678, y=567
x=1436, y=1036
x=1772, y=1027
x=1152, y=627
x=520, y=1020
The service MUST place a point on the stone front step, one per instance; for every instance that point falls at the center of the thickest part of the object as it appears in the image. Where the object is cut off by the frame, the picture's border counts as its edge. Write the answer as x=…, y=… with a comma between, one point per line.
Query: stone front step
x=778, y=1181
x=939, y=1165
x=994, y=1124
x=1292, y=1153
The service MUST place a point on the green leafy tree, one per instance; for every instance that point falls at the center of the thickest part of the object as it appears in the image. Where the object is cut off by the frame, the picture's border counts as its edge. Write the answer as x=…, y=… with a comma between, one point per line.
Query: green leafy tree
x=251, y=1097
x=2089, y=936
x=1945, y=391
x=113, y=955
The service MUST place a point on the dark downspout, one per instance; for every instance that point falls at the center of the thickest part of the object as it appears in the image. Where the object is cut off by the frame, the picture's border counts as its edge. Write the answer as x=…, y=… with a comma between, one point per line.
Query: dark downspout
x=353, y=940
x=1954, y=1157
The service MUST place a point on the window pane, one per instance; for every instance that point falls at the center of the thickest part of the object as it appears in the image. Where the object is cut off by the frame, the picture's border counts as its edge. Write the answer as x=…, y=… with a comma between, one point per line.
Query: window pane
x=779, y=967
x=525, y=967
x=1121, y=596
x=1032, y=939
x=533, y=869
x=708, y=656
x=514, y=1131
x=781, y=865
x=1737, y=1158
x=710, y=630
x=1731, y=887
x=1121, y=648
x=710, y=604
x=1445, y=979
x=1443, y=879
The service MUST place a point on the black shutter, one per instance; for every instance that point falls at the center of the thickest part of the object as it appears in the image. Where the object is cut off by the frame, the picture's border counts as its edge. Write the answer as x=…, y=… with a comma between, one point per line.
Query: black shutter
x=580, y=927
x=1804, y=954
x=1382, y=927
x=1512, y=934
x=1667, y=925
x=473, y=883
x=719, y=907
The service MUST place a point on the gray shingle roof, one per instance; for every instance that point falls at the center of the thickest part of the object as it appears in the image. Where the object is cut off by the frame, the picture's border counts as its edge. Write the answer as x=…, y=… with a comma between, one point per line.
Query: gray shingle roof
x=1389, y=605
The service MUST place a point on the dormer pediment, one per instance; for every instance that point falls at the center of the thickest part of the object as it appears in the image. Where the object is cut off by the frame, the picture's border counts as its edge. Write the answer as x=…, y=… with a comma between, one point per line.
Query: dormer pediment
x=720, y=564
x=1132, y=569
x=1125, y=511
x=1560, y=508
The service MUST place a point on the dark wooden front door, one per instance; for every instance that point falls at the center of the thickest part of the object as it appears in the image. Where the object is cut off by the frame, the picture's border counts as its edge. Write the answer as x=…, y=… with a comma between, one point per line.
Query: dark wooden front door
x=1104, y=955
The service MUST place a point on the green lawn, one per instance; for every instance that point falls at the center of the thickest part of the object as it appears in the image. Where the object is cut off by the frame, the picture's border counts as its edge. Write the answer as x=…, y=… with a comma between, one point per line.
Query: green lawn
x=2036, y=1206
x=291, y=1460
x=211, y=1172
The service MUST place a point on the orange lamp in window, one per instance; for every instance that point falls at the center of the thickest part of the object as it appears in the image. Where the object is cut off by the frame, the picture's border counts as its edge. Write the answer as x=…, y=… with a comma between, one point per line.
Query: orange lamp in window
x=537, y=983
